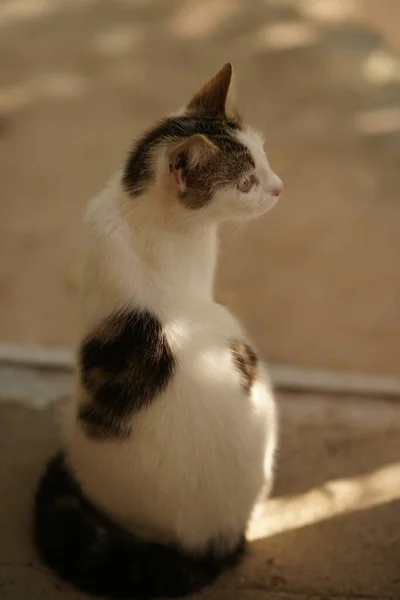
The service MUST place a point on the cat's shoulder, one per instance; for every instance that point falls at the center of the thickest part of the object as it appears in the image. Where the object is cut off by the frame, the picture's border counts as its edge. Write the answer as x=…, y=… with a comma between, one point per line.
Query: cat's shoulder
x=202, y=318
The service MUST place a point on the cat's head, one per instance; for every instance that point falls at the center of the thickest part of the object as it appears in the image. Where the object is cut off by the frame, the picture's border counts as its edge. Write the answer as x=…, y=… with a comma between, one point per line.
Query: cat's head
x=205, y=159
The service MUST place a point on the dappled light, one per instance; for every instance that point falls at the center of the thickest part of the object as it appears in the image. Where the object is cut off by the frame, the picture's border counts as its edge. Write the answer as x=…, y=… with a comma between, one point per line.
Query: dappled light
x=286, y=35
x=50, y=85
x=329, y=11
x=381, y=67
x=14, y=12
x=115, y=42
x=19, y=10
x=327, y=501
x=202, y=19
x=379, y=121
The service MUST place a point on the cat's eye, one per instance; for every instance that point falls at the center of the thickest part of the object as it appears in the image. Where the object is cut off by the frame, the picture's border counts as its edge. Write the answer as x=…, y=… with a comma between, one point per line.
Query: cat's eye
x=247, y=183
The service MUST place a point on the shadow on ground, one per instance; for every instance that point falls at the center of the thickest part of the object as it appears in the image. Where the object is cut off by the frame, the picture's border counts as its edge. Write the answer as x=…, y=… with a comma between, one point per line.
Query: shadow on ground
x=331, y=527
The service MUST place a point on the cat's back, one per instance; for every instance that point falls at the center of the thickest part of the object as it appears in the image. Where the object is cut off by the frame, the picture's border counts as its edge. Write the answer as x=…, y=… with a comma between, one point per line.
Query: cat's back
x=172, y=401
x=203, y=427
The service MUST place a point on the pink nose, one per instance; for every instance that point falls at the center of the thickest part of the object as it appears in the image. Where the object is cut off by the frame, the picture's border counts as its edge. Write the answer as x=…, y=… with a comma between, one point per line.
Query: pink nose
x=277, y=190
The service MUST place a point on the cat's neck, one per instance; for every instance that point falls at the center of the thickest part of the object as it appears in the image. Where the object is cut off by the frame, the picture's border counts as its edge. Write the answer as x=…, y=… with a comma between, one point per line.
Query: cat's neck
x=133, y=256
x=179, y=260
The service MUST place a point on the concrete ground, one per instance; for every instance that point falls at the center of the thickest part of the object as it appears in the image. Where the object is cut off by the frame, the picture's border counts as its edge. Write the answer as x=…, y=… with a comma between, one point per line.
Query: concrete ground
x=317, y=281
x=330, y=530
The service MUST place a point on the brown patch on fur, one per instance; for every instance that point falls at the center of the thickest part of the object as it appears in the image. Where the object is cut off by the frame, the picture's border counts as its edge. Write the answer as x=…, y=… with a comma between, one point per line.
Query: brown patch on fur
x=101, y=424
x=190, y=152
x=139, y=170
x=246, y=362
x=220, y=169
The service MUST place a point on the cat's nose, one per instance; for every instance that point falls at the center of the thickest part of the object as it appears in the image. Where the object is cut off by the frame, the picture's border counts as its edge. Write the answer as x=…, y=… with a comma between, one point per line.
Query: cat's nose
x=276, y=189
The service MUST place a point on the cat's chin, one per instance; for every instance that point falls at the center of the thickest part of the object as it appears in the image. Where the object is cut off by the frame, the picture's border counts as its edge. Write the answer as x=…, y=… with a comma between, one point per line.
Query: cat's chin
x=266, y=204
x=255, y=211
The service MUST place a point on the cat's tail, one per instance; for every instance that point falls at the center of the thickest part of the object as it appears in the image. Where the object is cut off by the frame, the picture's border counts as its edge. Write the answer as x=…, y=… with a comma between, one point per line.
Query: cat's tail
x=86, y=549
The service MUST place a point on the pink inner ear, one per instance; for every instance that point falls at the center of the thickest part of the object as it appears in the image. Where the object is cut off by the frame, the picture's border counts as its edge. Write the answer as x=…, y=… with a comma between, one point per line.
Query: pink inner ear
x=176, y=174
x=176, y=169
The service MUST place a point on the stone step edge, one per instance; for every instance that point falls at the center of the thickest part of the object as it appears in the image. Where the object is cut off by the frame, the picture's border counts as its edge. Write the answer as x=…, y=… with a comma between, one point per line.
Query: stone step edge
x=284, y=377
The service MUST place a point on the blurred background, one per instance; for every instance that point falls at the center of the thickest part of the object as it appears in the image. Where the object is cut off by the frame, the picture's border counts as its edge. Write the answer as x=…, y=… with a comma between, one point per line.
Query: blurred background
x=316, y=281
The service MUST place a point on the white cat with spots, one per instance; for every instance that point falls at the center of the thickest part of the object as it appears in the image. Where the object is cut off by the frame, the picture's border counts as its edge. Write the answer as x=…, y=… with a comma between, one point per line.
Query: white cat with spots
x=172, y=431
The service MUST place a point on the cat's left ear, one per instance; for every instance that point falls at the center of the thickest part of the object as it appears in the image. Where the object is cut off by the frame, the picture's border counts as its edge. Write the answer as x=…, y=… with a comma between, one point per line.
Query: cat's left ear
x=215, y=98
x=188, y=154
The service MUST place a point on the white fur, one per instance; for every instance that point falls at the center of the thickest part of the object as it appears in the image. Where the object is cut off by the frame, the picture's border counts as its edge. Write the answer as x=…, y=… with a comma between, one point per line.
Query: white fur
x=201, y=454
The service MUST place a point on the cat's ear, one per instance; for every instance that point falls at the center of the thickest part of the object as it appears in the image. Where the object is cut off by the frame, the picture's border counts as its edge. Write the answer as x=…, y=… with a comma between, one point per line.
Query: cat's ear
x=215, y=98
x=188, y=154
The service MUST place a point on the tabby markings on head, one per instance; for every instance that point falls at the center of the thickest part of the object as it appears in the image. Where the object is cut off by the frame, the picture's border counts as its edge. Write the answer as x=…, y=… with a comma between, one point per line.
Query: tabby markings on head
x=217, y=170
x=125, y=363
x=207, y=129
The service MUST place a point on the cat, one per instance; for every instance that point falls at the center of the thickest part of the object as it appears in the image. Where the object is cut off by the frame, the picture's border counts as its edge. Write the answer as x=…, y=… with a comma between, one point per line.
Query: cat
x=170, y=437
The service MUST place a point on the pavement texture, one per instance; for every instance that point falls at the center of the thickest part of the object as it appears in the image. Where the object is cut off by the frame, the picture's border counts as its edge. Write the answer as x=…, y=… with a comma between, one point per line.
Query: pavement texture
x=329, y=531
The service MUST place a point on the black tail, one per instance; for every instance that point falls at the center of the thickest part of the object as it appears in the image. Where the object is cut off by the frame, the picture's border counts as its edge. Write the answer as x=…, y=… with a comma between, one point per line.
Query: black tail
x=85, y=548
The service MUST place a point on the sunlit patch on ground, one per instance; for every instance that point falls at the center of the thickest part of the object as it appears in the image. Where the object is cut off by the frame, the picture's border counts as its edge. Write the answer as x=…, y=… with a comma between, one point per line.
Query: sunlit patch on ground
x=334, y=498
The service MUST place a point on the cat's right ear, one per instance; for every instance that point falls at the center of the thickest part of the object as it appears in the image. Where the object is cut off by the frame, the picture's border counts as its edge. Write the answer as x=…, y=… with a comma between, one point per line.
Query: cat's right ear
x=188, y=154
x=215, y=98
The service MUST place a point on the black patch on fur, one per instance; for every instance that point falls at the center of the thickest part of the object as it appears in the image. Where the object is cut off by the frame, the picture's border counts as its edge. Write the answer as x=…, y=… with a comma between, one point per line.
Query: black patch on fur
x=125, y=363
x=100, y=424
x=84, y=547
x=234, y=161
x=246, y=362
